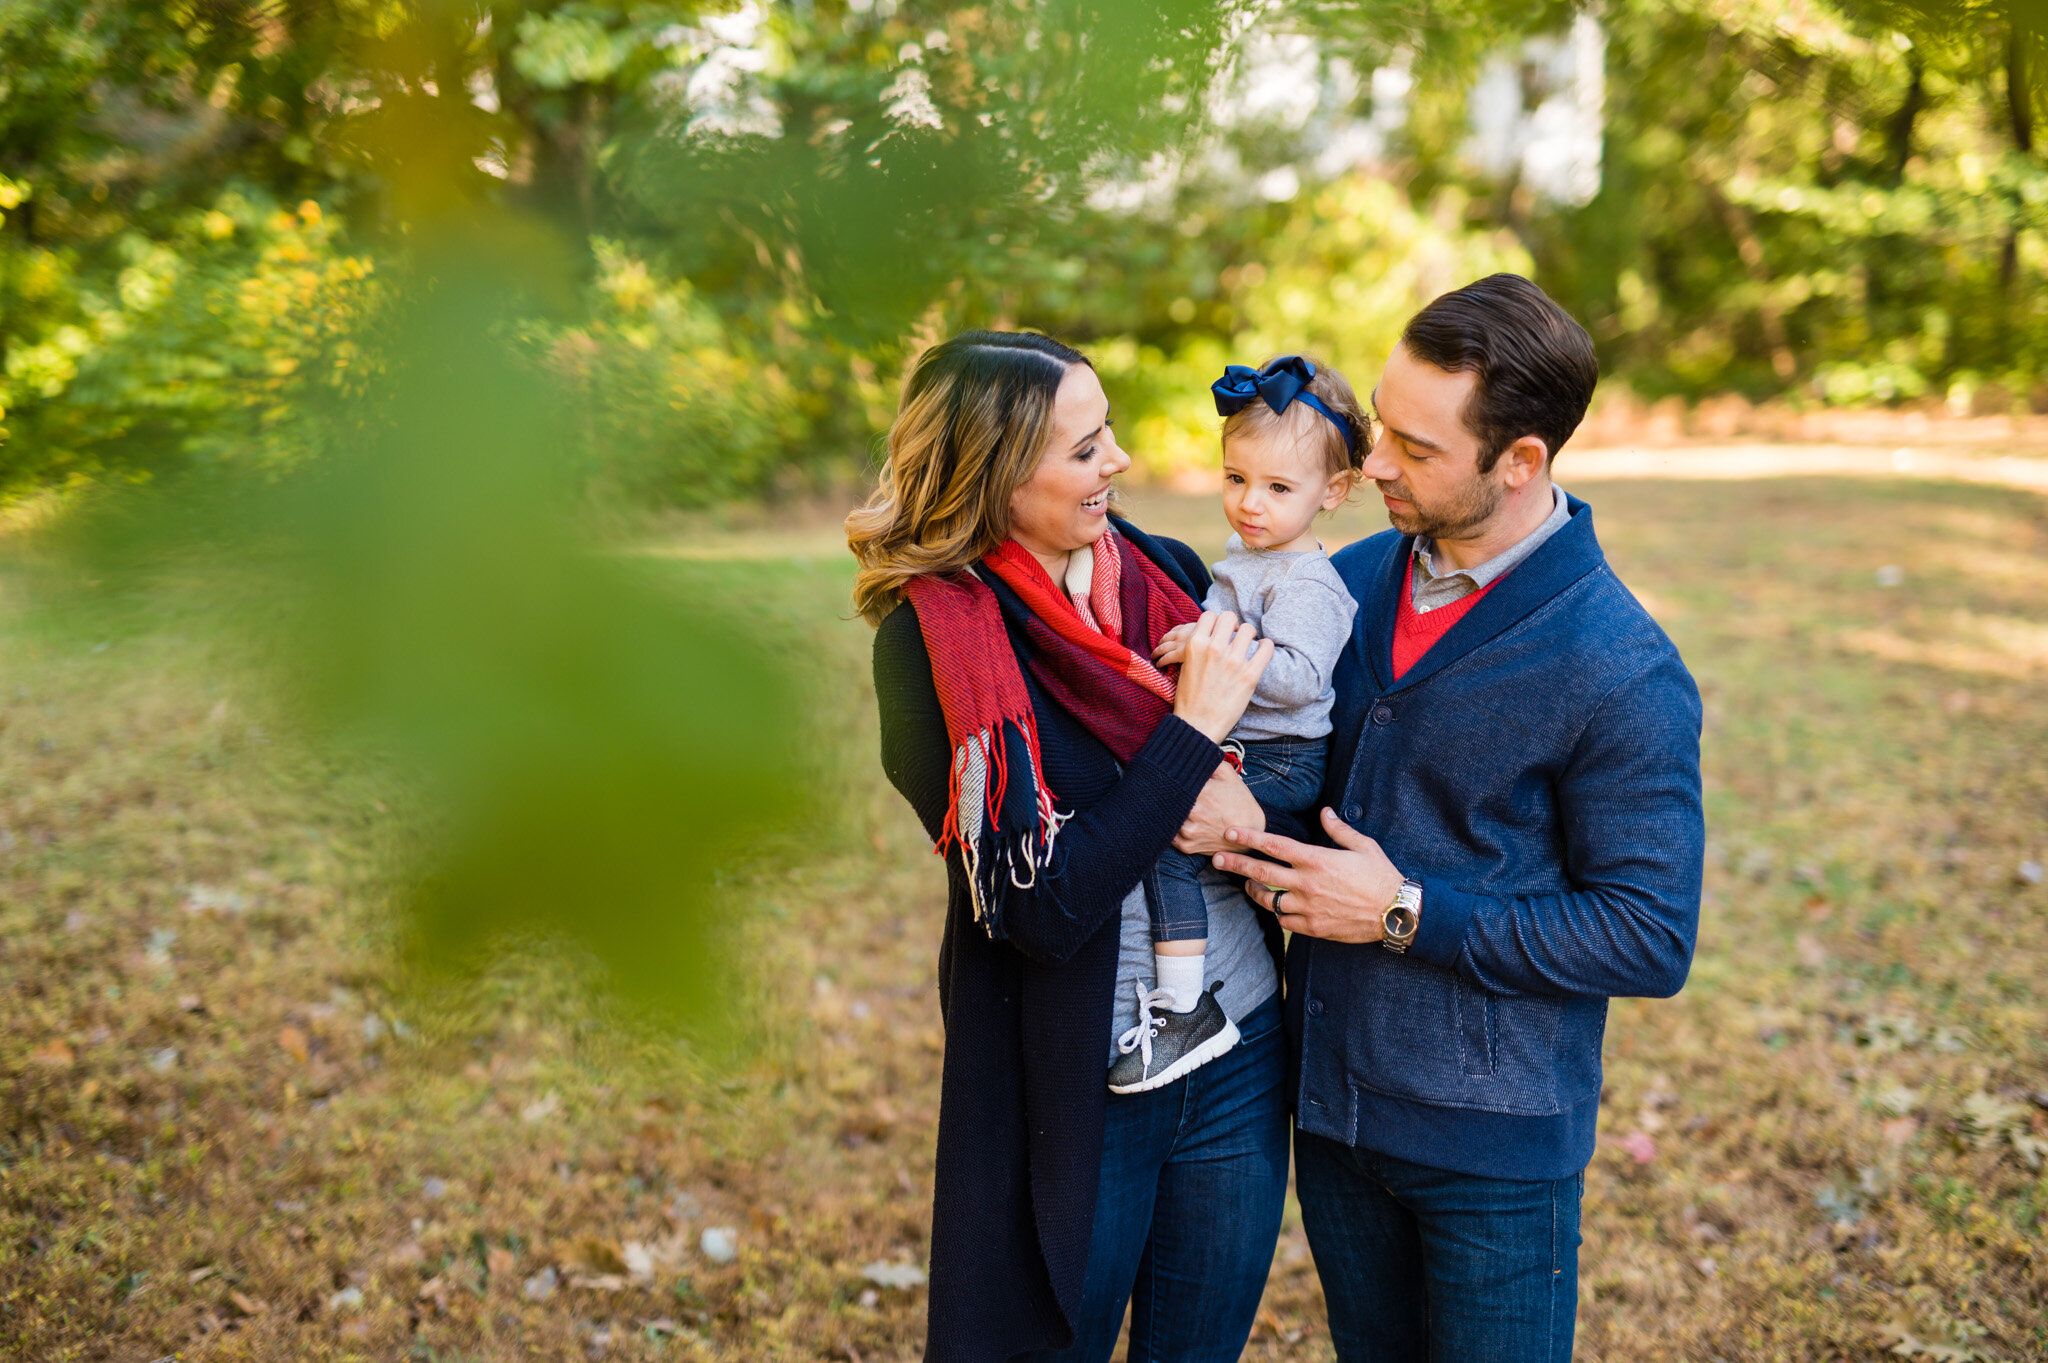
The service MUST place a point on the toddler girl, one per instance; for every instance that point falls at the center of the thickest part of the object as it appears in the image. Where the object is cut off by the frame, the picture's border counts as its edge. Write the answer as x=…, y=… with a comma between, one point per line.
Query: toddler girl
x=1294, y=439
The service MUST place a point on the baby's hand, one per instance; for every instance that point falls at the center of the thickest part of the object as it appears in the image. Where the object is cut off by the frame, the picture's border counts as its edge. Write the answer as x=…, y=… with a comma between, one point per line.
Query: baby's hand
x=1173, y=646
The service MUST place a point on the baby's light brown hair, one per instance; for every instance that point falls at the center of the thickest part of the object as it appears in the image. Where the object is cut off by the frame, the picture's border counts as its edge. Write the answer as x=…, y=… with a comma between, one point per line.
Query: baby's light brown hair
x=1306, y=428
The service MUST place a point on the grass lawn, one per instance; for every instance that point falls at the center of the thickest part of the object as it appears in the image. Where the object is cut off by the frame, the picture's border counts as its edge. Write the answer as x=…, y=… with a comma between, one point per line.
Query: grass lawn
x=229, y=1130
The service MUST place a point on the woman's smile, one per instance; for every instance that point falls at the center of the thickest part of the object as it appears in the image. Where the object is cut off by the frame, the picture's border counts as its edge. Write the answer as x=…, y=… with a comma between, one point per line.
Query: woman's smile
x=1065, y=503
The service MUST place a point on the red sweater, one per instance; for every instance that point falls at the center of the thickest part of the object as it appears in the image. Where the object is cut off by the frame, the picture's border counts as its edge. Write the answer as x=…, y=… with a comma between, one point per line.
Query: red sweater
x=1415, y=631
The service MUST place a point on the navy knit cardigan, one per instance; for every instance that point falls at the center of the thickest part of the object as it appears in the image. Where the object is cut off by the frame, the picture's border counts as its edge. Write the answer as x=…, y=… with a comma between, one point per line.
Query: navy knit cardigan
x=1538, y=771
x=1027, y=1020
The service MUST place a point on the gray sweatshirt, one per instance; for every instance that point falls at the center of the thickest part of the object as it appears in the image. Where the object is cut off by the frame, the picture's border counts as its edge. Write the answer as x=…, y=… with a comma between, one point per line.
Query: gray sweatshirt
x=1298, y=601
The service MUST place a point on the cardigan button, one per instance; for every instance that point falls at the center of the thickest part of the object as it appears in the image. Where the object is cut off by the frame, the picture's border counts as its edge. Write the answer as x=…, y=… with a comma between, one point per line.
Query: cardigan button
x=1352, y=813
x=1383, y=714
x=1315, y=1008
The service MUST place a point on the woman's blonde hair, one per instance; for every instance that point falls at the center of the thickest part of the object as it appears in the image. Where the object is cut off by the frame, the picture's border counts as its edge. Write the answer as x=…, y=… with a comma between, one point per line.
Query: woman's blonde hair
x=1306, y=426
x=974, y=421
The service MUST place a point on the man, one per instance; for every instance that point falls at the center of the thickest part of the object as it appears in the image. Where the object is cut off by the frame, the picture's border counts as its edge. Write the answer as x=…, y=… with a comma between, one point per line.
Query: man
x=1515, y=836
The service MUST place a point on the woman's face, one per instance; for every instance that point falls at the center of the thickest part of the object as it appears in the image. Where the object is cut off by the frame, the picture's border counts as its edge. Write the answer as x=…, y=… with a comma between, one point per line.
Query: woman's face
x=1065, y=504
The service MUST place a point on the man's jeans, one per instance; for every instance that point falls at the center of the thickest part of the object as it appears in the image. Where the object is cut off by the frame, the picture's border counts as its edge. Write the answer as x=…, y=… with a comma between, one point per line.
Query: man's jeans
x=1187, y=1212
x=1421, y=1265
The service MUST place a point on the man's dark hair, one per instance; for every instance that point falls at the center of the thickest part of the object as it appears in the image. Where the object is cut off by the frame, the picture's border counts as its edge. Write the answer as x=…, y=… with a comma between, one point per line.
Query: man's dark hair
x=1536, y=366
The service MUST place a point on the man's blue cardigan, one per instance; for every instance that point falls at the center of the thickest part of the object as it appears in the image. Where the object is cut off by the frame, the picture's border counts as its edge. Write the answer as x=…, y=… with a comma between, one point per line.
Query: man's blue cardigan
x=1538, y=771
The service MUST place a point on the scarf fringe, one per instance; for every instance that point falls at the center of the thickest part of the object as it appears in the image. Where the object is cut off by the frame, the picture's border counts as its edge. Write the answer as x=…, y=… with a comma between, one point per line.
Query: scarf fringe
x=976, y=787
x=1098, y=674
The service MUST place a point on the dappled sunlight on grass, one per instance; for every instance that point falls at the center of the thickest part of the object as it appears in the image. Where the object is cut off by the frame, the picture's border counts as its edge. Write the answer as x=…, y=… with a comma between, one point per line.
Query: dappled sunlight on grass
x=233, y=1129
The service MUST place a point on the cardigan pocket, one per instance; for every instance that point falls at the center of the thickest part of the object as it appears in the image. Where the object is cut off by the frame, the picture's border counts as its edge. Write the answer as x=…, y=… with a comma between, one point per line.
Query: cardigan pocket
x=1416, y=1031
x=1477, y=1042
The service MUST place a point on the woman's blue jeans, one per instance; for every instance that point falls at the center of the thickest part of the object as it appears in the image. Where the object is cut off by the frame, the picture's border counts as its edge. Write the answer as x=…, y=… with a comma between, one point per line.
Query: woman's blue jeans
x=1188, y=1210
x=1422, y=1265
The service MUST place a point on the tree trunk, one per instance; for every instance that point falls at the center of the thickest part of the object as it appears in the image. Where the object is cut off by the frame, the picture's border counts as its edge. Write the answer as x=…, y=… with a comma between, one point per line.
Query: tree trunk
x=1899, y=136
x=1751, y=251
x=2019, y=105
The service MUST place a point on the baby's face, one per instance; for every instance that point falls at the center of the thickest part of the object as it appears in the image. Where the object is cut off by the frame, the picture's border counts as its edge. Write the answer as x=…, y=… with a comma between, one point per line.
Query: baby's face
x=1273, y=486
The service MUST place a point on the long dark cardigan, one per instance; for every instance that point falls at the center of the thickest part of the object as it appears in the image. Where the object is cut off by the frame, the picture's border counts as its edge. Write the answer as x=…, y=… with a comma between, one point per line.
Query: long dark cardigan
x=1028, y=1020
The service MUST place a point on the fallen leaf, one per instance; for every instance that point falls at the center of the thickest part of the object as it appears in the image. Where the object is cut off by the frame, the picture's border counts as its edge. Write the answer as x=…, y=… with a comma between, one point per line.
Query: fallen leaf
x=542, y=1108
x=248, y=1305
x=203, y=899
x=54, y=1054
x=541, y=1285
x=1639, y=1145
x=499, y=1262
x=601, y=1257
x=719, y=1244
x=600, y=1282
x=903, y=1276
x=294, y=1043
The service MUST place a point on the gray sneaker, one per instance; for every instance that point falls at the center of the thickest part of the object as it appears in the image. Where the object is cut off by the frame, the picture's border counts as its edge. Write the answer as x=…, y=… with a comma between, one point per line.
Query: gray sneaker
x=1166, y=1045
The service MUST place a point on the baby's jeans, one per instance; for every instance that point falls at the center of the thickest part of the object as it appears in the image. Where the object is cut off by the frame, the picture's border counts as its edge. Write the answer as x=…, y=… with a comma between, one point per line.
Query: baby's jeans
x=1283, y=774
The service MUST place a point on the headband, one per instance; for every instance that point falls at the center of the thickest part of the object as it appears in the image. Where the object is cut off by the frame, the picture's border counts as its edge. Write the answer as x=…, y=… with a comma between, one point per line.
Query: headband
x=1283, y=381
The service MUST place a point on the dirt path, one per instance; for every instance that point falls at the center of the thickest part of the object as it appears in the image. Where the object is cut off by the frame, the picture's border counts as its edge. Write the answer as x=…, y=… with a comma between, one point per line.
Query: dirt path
x=1727, y=462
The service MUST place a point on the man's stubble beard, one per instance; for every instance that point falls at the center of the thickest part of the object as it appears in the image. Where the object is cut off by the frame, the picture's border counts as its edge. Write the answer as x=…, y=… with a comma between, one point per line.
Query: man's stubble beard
x=1469, y=508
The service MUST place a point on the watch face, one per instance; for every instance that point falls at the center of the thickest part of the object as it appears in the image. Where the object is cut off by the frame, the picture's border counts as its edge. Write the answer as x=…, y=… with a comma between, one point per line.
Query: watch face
x=1400, y=923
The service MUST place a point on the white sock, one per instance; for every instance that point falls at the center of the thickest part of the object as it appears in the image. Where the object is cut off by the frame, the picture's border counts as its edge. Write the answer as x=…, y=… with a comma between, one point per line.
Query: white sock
x=1181, y=976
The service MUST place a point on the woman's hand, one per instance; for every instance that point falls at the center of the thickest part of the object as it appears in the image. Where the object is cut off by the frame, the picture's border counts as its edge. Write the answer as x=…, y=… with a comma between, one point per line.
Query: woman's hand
x=1219, y=670
x=1173, y=645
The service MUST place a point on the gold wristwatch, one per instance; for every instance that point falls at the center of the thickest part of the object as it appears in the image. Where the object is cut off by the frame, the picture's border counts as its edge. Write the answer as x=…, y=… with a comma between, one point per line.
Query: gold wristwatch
x=1403, y=917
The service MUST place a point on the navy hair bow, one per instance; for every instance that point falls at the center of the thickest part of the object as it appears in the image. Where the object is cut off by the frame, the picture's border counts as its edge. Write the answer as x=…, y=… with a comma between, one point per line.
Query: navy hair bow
x=1281, y=382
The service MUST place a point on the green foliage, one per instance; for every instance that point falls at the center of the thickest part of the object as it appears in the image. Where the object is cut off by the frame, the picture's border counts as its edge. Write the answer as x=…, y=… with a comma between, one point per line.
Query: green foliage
x=1843, y=199
x=1338, y=273
x=202, y=343
x=678, y=407
x=1838, y=201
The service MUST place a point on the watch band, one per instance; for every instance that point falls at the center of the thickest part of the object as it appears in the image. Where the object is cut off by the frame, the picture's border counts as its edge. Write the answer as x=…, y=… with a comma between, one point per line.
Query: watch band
x=1402, y=918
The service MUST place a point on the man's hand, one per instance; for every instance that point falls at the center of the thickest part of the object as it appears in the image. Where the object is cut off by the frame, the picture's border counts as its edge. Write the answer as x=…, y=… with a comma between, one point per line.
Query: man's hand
x=1173, y=645
x=1224, y=803
x=1336, y=893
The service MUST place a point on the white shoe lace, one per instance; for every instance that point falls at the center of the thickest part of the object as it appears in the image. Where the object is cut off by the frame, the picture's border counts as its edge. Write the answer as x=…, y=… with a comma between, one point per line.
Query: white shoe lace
x=1139, y=1038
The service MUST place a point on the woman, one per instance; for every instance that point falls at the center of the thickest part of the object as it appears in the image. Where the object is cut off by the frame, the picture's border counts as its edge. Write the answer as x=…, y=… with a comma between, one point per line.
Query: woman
x=1052, y=764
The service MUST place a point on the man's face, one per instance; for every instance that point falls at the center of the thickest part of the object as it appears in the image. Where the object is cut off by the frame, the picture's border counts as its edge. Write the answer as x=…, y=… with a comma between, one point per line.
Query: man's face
x=1425, y=461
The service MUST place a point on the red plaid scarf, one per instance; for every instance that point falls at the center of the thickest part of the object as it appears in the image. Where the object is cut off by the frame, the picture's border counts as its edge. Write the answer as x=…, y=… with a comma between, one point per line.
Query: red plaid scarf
x=1092, y=655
